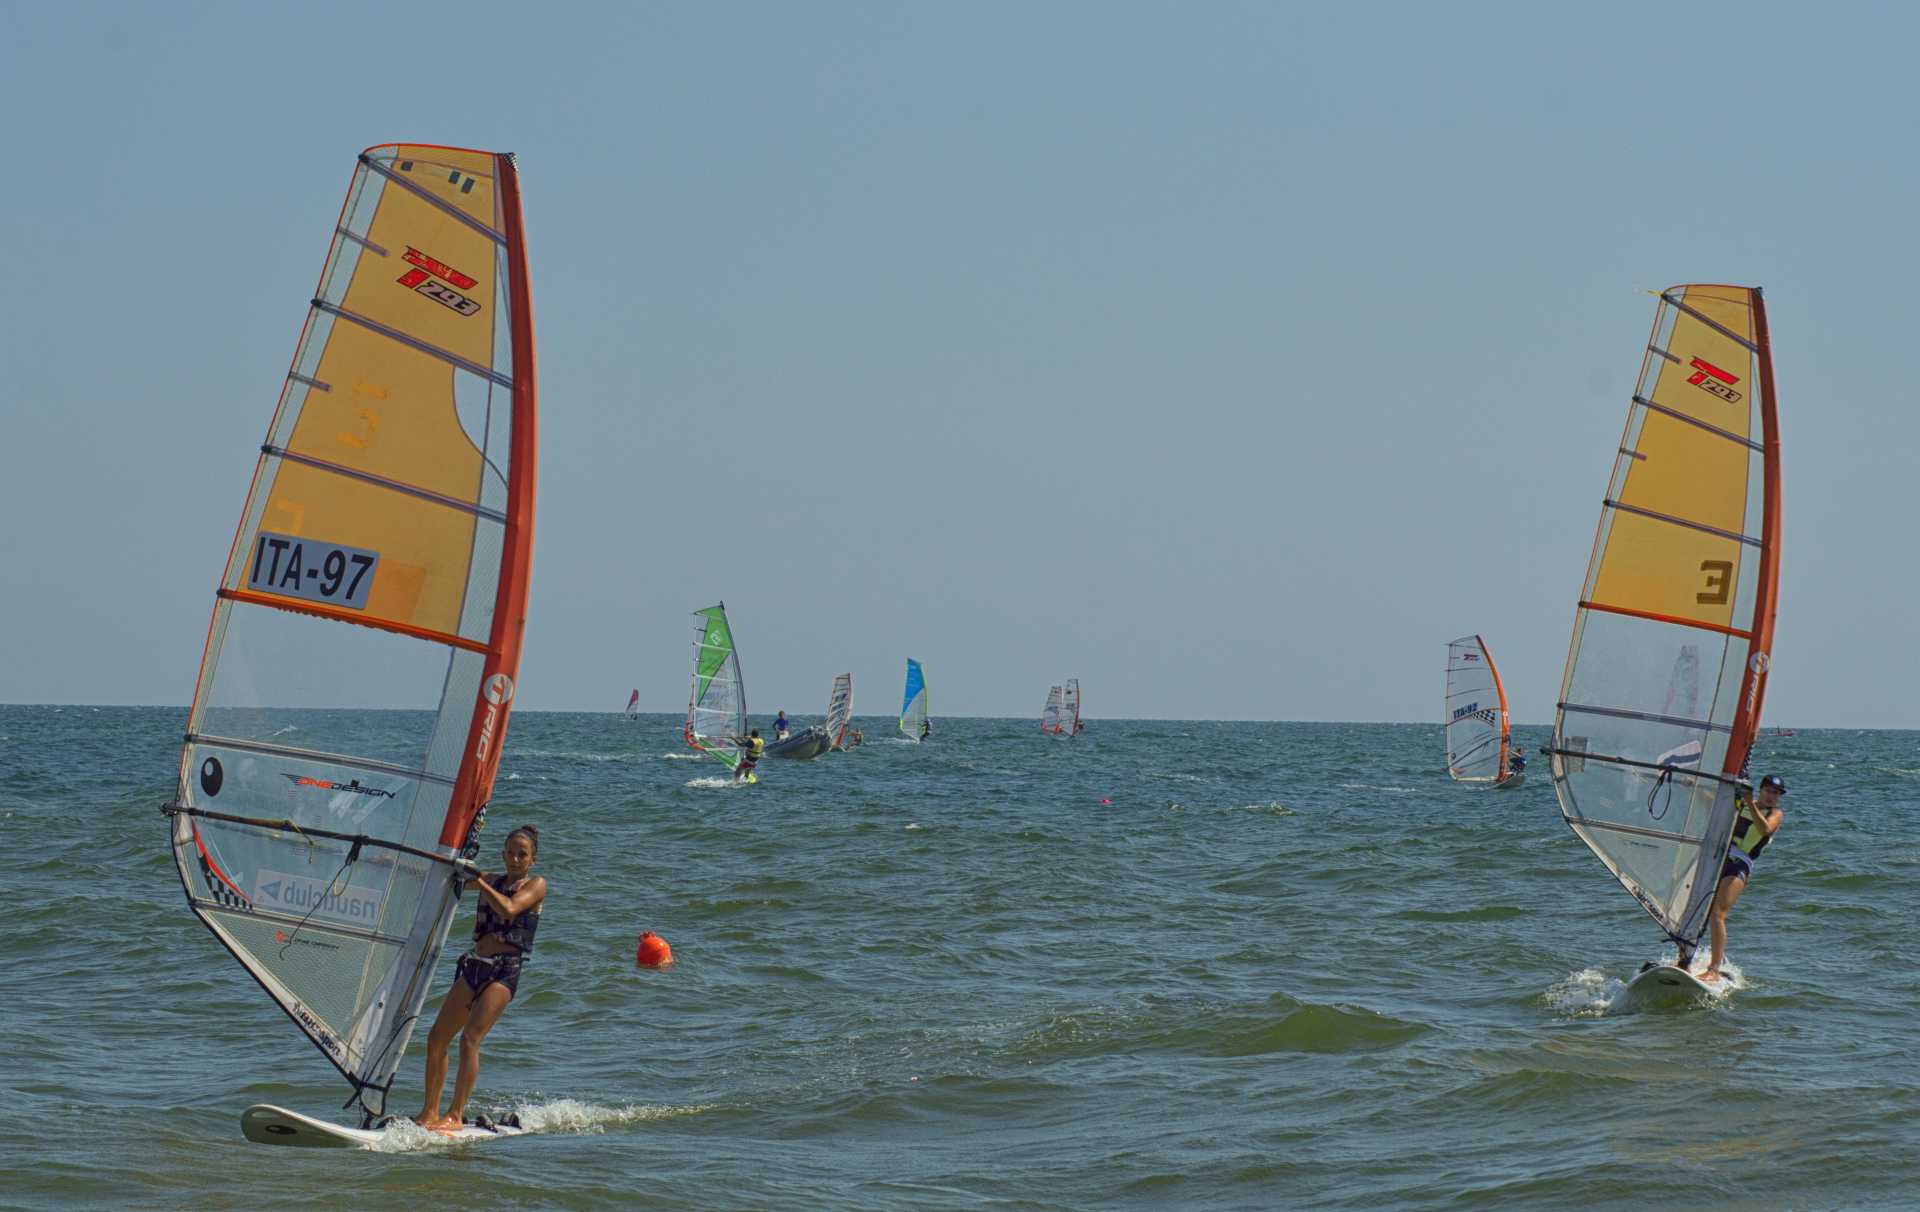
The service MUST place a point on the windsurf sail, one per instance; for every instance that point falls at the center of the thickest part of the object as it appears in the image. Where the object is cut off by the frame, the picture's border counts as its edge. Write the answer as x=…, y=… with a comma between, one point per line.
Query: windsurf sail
x=353, y=695
x=840, y=709
x=1070, y=707
x=633, y=704
x=1050, y=714
x=913, y=701
x=1474, y=714
x=717, y=706
x=1673, y=634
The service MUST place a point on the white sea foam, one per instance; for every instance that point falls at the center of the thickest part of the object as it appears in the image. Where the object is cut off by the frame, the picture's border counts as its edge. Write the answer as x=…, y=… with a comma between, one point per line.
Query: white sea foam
x=538, y=1115
x=719, y=783
x=683, y=757
x=1585, y=994
x=1590, y=993
x=1376, y=787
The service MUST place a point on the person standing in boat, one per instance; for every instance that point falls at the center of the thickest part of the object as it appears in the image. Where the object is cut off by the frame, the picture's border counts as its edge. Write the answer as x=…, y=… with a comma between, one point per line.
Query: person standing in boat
x=780, y=727
x=486, y=977
x=1754, y=827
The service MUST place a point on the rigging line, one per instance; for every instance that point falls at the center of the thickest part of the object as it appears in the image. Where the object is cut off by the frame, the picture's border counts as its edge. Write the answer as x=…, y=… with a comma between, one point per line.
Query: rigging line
x=353, y=856
x=1668, y=518
x=433, y=200
x=1616, y=760
x=1711, y=428
x=1712, y=323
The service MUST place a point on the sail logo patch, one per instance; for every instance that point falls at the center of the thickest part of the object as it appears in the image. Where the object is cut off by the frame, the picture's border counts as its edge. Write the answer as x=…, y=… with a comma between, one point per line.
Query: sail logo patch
x=497, y=691
x=427, y=277
x=1475, y=711
x=319, y=572
x=352, y=788
x=302, y=895
x=1710, y=378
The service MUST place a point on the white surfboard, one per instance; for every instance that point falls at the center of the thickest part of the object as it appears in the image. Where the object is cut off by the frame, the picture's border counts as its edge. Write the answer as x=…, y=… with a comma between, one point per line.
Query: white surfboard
x=264, y=1124
x=1665, y=987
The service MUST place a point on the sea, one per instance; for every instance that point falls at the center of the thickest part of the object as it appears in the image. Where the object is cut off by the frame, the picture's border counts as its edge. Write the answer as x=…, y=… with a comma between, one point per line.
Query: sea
x=1167, y=964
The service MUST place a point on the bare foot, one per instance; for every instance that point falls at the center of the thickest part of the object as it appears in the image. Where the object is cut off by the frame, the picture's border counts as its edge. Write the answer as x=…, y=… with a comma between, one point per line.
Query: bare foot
x=1710, y=976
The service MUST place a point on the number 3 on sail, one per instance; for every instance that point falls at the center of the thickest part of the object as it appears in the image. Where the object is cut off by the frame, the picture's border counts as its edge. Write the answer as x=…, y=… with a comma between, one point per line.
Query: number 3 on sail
x=353, y=697
x=1674, y=627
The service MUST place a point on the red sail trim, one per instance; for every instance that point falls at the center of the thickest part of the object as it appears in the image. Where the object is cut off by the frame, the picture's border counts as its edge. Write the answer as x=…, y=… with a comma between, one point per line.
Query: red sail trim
x=321, y=610
x=1501, y=692
x=1753, y=680
x=1656, y=617
x=486, y=734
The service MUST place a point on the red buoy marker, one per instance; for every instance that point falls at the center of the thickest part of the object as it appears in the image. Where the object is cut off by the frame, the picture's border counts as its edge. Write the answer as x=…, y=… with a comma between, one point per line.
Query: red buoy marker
x=653, y=952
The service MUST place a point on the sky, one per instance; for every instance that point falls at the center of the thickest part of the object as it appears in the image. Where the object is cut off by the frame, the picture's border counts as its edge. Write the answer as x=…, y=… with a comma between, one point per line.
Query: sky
x=1232, y=358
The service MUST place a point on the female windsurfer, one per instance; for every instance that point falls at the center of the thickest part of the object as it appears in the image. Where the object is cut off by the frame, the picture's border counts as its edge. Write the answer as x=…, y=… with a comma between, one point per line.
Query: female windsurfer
x=487, y=975
x=1754, y=827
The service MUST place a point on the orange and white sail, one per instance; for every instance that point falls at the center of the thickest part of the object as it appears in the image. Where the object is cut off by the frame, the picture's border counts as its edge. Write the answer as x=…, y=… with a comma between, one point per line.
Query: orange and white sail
x=1673, y=635
x=359, y=669
x=1474, y=714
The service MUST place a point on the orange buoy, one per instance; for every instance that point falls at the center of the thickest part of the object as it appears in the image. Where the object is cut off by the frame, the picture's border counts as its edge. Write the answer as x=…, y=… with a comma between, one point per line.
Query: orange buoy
x=653, y=952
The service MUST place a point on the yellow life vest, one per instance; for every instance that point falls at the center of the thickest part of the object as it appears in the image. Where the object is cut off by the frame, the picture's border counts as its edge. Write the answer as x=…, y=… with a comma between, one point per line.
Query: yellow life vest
x=1749, y=836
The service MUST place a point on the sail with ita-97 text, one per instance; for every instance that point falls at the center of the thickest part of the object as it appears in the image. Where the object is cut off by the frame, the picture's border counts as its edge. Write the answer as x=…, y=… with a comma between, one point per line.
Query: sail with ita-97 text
x=359, y=669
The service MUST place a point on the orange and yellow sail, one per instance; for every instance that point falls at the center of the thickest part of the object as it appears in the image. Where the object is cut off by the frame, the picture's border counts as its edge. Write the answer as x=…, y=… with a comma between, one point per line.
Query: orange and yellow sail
x=359, y=669
x=1684, y=574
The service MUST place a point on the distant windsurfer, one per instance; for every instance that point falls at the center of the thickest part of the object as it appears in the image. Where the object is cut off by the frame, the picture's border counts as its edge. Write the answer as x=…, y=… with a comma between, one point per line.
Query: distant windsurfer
x=780, y=727
x=1754, y=827
x=926, y=729
x=487, y=976
x=854, y=737
x=1516, y=761
x=751, y=747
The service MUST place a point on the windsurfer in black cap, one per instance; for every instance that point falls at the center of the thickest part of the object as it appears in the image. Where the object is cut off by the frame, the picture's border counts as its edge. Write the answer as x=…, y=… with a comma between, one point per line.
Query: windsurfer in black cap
x=1754, y=826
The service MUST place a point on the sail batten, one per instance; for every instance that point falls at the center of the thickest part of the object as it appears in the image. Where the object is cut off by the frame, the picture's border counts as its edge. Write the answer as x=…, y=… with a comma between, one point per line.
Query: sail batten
x=1673, y=627
x=330, y=775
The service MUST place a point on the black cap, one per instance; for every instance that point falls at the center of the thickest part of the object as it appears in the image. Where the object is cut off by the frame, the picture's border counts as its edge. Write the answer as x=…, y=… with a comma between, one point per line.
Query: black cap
x=1775, y=781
